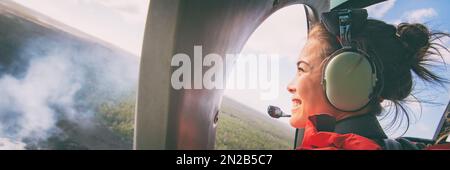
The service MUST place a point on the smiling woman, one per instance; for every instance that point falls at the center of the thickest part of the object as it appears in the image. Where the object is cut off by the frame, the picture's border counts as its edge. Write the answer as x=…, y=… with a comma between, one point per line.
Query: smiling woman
x=349, y=65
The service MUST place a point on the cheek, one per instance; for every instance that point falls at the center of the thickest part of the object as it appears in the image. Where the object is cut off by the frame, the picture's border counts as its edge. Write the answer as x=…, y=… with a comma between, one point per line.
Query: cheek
x=307, y=90
x=310, y=91
x=313, y=97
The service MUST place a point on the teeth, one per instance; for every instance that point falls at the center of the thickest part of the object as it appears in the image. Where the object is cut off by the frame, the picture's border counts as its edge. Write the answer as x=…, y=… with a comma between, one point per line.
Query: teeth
x=295, y=104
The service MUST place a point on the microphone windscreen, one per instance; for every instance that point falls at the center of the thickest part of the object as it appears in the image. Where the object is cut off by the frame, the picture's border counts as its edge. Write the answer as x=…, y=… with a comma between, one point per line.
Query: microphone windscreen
x=274, y=112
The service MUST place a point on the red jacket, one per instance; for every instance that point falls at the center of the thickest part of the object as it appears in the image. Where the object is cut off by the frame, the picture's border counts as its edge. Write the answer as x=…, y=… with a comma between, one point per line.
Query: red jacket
x=322, y=132
x=324, y=140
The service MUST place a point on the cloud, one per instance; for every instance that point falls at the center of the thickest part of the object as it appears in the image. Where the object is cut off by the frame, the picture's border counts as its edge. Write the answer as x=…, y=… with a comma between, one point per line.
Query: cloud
x=420, y=15
x=8, y=144
x=379, y=10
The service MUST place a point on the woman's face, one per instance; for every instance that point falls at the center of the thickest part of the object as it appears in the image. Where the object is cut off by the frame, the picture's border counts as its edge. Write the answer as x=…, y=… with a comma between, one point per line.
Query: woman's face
x=307, y=95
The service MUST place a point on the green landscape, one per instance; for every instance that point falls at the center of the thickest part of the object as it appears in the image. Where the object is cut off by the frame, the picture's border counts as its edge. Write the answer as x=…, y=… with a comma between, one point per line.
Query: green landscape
x=240, y=127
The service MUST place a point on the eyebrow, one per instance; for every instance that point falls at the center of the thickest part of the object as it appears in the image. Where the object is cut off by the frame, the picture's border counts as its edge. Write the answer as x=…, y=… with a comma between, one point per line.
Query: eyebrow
x=304, y=62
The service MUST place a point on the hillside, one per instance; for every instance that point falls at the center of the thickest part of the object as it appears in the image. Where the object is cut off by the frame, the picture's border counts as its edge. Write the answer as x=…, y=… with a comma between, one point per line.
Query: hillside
x=53, y=80
x=241, y=127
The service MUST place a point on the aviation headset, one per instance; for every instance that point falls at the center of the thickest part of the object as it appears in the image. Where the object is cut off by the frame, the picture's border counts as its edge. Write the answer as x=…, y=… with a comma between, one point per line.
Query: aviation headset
x=351, y=79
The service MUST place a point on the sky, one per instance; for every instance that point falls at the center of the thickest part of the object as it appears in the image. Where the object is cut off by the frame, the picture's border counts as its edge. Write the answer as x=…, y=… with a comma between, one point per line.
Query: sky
x=122, y=23
x=119, y=22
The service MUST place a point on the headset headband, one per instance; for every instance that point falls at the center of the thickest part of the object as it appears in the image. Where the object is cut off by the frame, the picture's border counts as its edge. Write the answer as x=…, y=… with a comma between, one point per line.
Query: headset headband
x=344, y=23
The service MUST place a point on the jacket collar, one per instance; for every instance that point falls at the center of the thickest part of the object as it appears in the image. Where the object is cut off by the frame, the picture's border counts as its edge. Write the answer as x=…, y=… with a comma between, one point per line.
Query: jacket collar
x=366, y=125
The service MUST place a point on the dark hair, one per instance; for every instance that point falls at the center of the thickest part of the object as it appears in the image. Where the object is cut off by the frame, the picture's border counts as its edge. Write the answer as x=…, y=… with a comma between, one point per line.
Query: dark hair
x=402, y=50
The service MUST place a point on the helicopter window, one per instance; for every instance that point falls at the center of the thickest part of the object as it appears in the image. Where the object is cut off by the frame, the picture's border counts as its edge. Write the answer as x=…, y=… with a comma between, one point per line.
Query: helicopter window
x=244, y=123
x=69, y=74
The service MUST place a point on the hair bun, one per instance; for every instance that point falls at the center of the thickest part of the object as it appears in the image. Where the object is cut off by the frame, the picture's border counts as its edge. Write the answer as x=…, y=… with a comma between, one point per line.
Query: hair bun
x=418, y=42
x=414, y=36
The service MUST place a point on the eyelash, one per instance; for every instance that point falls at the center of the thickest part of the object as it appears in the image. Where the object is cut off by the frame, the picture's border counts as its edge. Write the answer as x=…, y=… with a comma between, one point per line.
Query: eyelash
x=300, y=69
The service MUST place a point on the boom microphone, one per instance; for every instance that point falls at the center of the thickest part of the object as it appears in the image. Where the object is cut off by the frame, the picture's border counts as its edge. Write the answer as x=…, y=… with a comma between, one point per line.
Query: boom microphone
x=276, y=112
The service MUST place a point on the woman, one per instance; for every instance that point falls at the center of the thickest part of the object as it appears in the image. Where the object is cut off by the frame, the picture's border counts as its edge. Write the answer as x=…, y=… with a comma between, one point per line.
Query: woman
x=400, y=50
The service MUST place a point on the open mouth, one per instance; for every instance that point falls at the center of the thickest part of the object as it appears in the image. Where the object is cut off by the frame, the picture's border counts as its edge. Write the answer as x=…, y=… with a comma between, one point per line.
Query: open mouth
x=296, y=103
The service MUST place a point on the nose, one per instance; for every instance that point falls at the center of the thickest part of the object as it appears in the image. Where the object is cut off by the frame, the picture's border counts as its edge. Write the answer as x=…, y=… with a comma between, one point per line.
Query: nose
x=291, y=87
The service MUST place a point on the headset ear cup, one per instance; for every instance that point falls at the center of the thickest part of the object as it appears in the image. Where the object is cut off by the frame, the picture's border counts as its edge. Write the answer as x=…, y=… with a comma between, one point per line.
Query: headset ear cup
x=348, y=80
